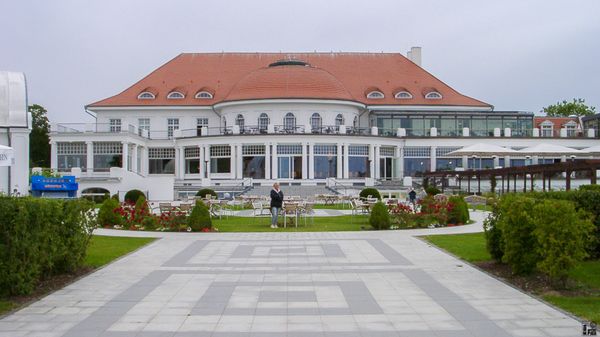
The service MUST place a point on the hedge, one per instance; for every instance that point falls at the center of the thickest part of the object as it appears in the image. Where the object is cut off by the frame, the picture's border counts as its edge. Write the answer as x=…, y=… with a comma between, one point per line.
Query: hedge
x=380, y=218
x=203, y=192
x=132, y=196
x=199, y=218
x=370, y=191
x=41, y=237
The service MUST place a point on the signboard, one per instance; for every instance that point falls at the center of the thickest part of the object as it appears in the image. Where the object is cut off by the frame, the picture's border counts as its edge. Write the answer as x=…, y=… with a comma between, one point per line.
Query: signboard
x=7, y=156
x=59, y=187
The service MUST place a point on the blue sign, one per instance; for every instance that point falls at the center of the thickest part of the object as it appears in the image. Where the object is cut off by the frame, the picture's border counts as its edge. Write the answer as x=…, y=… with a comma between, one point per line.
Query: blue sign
x=41, y=185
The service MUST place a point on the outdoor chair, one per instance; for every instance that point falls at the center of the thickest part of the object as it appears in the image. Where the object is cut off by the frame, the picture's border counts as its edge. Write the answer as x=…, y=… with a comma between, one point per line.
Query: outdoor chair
x=257, y=207
x=186, y=208
x=165, y=207
x=290, y=209
x=308, y=210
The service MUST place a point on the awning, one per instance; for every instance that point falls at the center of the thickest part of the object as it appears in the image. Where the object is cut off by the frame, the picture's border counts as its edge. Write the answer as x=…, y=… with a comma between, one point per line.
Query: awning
x=544, y=149
x=7, y=156
x=483, y=150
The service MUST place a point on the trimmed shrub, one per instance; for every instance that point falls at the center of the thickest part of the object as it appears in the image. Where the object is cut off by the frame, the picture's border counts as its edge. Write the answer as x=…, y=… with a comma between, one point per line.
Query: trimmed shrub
x=199, y=219
x=141, y=211
x=41, y=237
x=432, y=190
x=380, y=218
x=107, y=217
x=150, y=223
x=493, y=236
x=132, y=196
x=203, y=192
x=370, y=191
x=562, y=234
x=115, y=197
x=459, y=211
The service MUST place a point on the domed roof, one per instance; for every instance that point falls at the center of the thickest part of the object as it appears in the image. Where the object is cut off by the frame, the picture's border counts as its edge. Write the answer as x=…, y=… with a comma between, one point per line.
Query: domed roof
x=289, y=79
x=13, y=100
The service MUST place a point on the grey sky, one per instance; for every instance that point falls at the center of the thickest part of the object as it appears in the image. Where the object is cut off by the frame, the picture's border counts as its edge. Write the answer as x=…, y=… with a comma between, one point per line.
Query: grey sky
x=514, y=54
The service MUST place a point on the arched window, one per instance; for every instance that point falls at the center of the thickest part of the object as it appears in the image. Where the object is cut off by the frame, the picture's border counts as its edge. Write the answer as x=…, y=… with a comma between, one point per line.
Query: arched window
x=316, y=122
x=289, y=122
x=263, y=122
x=355, y=121
x=146, y=95
x=239, y=121
x=433, y=95
x=375, y=95
x=403, y=95
x=204, y=95
x=175, y=95
x=339, y=120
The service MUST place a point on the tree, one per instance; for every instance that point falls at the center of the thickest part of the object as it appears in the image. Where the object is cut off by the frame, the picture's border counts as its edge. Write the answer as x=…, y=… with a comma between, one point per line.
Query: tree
x=566, y=109
x=39, y=141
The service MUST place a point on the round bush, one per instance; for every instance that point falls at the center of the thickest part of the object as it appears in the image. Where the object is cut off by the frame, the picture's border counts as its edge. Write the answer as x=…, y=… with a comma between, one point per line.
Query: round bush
x=107, y=215
x=380, y=218
x=203, y=192
x=370, y=191
x=432, y=190
x=459, y=214
x=132, y=196
x=199, y=219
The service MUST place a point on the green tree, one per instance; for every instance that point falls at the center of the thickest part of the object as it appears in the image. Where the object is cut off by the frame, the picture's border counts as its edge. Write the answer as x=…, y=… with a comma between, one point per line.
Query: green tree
x=566, y=109
x=39, y=141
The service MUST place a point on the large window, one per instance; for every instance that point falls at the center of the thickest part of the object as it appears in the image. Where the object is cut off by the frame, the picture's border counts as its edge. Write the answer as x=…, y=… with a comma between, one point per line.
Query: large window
x=547, y=129
x=289, y=122
x=416, y=160
x=325, y=161
x=239, y=121
x=358, y=161
x=220, y=159
x=289, y=161
x=161, y=160
x=107, y=155
x=339, y=120
x=71, y=155
x=143, y=124
x=571, y=129
x=263, y=122
x=192, y=160
x=316, y=122
x=172, y=124
x=115, y=124
x=200, y=123
x=253, y=161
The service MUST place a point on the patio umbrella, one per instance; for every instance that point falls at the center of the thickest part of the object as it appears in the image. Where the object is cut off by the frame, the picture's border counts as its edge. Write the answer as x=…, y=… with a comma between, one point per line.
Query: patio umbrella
x=594, y=150
x=7, y=156
x=544, y=149
x=482, y=149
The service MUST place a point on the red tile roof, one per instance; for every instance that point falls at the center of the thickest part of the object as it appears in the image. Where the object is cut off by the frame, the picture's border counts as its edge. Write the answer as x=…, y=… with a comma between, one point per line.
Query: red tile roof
x=240, y=76
x=558, y=122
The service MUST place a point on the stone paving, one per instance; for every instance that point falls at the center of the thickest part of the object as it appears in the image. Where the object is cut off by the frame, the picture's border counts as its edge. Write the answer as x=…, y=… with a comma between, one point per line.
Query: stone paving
x=371, y=284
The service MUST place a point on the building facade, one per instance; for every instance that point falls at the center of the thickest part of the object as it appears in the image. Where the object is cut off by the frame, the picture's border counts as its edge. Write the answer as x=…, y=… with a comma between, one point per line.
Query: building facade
x=303, y=118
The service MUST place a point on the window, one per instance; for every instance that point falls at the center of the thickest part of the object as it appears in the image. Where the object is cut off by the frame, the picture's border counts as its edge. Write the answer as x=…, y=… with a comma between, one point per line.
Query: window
x=325, y=161
x=358, y=161
x=107, y=155
x=200, y=123
x=571, y=129
x=239, y=121
x=289, y=122
x=71, y=155
x=339, y=120
x=355, y=122
x=220, y=159
x=172, y=124
x=433, y=95
x=146, y=95
x=175, y=95
x=204, y=95
x=263, y=122
x=192, y=160
x=115, y=125
x=547, y=129
x=316, y=122
x=144, y=124
x=375, y=95
x=253, y=161
x=161, y=160
x=403, y=95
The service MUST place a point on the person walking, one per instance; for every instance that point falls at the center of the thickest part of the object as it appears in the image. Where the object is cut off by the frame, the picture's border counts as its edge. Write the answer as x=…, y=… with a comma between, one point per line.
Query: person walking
x=276, y=203
x=412, y=196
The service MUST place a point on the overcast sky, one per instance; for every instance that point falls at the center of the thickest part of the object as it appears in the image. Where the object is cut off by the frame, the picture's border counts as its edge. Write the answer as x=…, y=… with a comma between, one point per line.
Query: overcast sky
x=514, y=54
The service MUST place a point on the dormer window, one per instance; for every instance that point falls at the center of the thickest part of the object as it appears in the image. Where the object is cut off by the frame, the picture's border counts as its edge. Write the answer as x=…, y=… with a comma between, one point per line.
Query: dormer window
x=146, y=95
x=433, y=95
x=403, y=95
x=175, y=95
x=204, y=95
x=375, y=94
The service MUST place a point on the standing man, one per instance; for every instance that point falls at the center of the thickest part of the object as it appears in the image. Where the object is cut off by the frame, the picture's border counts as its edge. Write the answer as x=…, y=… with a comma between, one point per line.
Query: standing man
x=276, y=203
x=412, y=196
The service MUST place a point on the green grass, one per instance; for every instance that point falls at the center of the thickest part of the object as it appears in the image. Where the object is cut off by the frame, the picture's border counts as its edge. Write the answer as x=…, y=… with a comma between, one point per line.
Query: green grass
x=333, y=206
x=6, y=306
x=585, y=307
x=104, y=249
x=469, y=247
x=487, y=208
x=588, y=274
x=315, y=224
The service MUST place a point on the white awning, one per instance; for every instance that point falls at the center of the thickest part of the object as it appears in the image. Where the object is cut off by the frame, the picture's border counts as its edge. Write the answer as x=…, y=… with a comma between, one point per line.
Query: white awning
x=593, y=149
x=7, y=156
x=483, y=150
x=544, y=149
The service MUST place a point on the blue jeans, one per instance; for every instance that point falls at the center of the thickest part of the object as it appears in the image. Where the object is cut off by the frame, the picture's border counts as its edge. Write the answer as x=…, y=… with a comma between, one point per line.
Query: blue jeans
x=274, y=213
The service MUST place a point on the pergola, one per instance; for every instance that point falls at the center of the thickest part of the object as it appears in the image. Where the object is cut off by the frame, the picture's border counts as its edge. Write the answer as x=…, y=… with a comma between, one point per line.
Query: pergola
x=508, y=174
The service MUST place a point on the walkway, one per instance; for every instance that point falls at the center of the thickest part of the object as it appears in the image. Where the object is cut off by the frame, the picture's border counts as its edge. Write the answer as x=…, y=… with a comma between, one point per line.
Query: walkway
x=371, y=284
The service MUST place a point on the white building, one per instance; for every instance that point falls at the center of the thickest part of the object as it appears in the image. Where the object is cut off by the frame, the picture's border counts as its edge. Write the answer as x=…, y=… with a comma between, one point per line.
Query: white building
x=217, y=119
x=15, y=126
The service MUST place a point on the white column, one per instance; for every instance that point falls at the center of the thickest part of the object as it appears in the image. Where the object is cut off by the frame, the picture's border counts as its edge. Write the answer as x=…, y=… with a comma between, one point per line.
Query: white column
x=125, y=155
x=432, y=159
x=399, y=162
x=311, y=161
x=346, y=173
x=372, y=160
x=206, y=161
x=89, y=155
x=201, y=161
x=267, y=161
x=304, y=162
x=239, y=162
x=274, y=168
x=144, y=169
x=53, y=157
x=181, y=162
x=377, y=162
x=134, y=158
x=507, y=161
x=340, y=171
x=465, y=162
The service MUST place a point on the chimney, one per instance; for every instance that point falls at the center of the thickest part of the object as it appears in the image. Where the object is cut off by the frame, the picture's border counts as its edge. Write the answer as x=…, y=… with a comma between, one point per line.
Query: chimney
x=414, y=55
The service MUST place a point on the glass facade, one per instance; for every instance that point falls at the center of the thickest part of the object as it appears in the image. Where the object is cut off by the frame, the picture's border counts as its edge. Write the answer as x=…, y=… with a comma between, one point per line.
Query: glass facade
x=161, y=160
x=71, y=155
x=253, y=161
x=107, y=155
x=325, y=161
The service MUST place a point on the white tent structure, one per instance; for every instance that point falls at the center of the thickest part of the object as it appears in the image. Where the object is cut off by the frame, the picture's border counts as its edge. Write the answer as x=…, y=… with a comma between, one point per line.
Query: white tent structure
x=594, y=150
x=483, y=150
x=7, y=156
x=549, y=150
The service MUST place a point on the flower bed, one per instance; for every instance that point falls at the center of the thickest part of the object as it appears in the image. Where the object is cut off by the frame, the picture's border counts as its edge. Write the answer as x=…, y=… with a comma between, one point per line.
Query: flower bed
x=429, y=212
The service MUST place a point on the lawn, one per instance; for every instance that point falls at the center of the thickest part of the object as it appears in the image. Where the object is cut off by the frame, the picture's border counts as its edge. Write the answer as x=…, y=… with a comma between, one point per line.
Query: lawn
x=333, y=206
x=102, y=250
x=314, y=224
x=471, y=247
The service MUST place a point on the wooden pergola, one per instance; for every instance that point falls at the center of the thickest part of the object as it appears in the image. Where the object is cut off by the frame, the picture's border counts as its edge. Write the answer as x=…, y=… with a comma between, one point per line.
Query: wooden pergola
x=512, y=174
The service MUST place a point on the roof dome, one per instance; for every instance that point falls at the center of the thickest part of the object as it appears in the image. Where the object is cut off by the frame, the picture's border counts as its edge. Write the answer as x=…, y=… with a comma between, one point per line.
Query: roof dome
x=13, y=100
x=289, y=79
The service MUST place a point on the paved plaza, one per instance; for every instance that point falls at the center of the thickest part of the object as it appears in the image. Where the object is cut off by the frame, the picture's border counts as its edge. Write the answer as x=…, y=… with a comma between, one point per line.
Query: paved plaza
x=370, y=284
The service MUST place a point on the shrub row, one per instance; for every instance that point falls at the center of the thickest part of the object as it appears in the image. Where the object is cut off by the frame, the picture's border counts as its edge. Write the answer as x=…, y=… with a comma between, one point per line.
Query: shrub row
x=41, y=237
x=548, y=235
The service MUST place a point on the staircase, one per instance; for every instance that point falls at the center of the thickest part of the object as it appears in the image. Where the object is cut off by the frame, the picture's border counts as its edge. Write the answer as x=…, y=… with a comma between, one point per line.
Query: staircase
x=301, y=191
